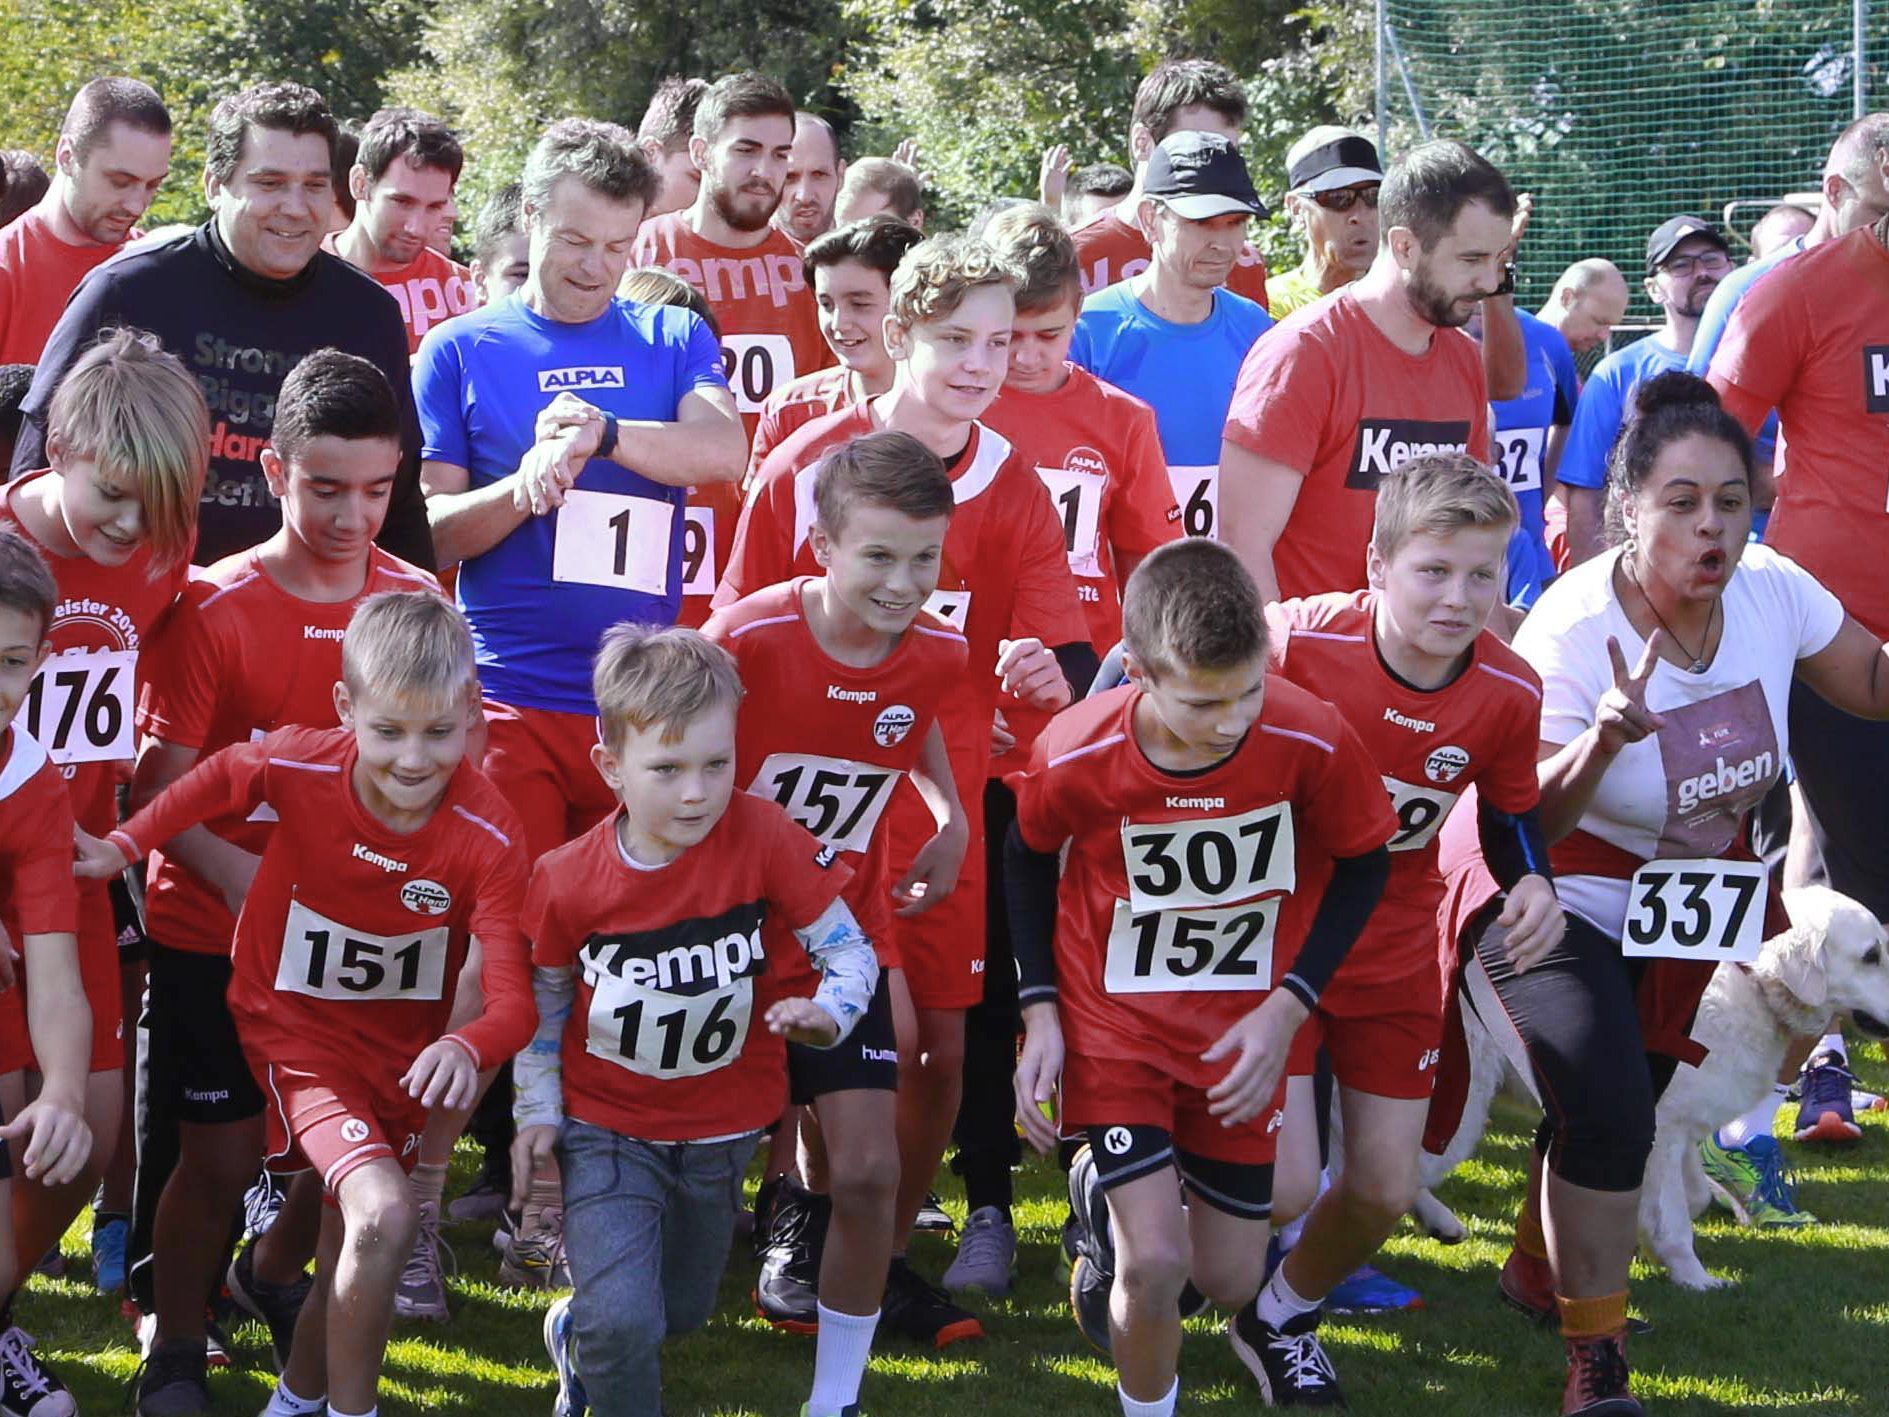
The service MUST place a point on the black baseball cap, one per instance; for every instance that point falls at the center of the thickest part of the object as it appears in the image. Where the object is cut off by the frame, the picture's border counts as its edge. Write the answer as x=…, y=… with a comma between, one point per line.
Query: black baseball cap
x=1328, y=158
x=1667, y=236
x=1200, y=175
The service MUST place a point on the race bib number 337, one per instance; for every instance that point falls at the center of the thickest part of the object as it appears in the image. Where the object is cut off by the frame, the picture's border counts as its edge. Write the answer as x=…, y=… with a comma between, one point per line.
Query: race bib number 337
x=1708, y=910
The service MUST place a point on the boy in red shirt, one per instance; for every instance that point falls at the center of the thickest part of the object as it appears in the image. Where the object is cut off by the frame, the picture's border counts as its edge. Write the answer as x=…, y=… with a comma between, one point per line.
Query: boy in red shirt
x=392, y=852
x=846, y=674
x=1441, y=704
x=115, y=516
x=1222, y=837
x=1004, y=581
x=40, y=912
x=661, y=939
x=332, y=459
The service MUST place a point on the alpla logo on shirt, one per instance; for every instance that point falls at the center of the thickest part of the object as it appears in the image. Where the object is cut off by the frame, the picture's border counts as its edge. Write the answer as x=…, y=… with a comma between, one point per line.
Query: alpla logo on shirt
x=426, y=897
x=892, y=724
x=580, y=376
x=1386, y=444
x=1876, y=378
x=1085, y=459
x=1446, y=764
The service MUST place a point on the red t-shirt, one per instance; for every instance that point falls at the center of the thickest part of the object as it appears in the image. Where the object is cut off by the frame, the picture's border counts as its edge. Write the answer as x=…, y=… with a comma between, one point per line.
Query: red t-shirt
x=1329, y=396
x=352, y=936
x=1429, y=746
x=676, y=966
x=38, y=273
x=37, y=893
x=792, y=408
x=770, y=335
x=431, y=289
x=1812, y=341
x=828, y=741
x=1005, y=575
x=238, y=658
x=1184, y=898
x=1110, y=249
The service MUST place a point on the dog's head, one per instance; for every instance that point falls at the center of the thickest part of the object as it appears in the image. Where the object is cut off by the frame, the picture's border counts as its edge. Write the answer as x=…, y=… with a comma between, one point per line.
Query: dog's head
x=1834, y=956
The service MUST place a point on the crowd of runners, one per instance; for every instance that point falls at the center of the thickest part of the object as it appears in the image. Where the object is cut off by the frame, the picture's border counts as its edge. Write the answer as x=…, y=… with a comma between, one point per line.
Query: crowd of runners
x=734, y=669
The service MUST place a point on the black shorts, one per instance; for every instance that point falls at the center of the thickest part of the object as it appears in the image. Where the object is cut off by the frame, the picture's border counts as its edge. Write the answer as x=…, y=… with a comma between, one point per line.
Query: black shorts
x=1842, y=765
x=1237, y=1188
x=867, y=1061
x=196, y=1060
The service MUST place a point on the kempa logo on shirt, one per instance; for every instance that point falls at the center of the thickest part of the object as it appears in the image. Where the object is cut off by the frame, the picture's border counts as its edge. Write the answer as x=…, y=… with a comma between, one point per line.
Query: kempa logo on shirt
x=1415, y=725
x=321, y=632
x=426, y=897
x=1724, y=779
x=892, y=724
x=1386, y=444
x=1117, y=1140
x=374, y=858
x=1446, y=764
x=354, y=1130
x=1200, y=804
x=1876, y=378
x=852, y=696
x=691, y=968
x=580, y=376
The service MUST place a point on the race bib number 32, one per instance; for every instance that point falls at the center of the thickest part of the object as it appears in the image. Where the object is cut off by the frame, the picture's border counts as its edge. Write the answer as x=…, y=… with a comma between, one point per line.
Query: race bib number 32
x=1207, y=861
x=1700, y=910
x=325, y=959
x=79, y=706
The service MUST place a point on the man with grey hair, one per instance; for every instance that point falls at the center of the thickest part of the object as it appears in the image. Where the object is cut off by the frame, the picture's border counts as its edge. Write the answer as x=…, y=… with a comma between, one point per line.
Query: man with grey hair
x=1333, y=177
x=814, y=172
x=114, y=153
x=1589, y=299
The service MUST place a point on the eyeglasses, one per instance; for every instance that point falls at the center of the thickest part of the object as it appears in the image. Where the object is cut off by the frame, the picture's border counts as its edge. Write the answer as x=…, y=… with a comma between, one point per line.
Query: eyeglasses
x=1710, y=262
x=1343, y=199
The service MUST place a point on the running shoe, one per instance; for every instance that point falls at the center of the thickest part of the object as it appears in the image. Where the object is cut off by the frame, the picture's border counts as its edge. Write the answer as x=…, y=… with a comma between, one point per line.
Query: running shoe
x=1824, y=1112
x=1599, y=1384
x=921, y=1311
x=1772, y=1201
x=765, y=1199
x=932, y=1216
x=421, y=1293
x=1289, y=1363
x=1863, y=1100
x=484, y=1199
x=806, y=1410
x=262, y=1202
x=1527, y=1283
x=172, y=1383
x=987, y=1254
x=109, y=1234
x=571, y=1399
x=276, y=1306
x=1370, y=1291
x=28, y=1388
x=787, y=1293
x=534, y=1259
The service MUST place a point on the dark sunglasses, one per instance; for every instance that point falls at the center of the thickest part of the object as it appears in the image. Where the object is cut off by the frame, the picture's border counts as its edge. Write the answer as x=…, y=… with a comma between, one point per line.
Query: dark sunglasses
x=1343, y=199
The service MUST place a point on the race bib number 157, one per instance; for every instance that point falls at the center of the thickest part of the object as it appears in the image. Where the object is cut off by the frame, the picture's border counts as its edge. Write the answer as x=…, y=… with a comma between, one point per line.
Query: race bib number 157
x=1701, y=910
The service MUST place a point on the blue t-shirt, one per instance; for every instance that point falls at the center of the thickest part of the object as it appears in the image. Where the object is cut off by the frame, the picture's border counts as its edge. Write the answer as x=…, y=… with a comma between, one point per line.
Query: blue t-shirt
x=1521, y=443
x=540, y=600
x=1602, y=411
x=1712, y=326
x=1186, y=373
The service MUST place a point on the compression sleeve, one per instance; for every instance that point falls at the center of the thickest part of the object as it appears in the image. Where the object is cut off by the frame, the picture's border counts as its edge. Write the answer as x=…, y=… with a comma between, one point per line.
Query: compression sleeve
x=1512, y=844
x=1352, y=894
x=849, y=971
x=1030, y=879
x=538, y=1070
x=1079, y=664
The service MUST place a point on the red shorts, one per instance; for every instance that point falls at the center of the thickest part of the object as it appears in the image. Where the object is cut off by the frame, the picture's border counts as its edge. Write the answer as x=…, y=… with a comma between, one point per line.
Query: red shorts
x=540, y=761
x=98, y=972
x=325, y=1114
x=1383, y=1041
x=1113, y=1092
x=941, y=951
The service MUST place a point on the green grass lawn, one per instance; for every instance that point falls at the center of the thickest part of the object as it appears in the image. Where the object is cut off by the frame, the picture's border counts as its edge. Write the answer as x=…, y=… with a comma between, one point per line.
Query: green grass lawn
x=1805, y=1331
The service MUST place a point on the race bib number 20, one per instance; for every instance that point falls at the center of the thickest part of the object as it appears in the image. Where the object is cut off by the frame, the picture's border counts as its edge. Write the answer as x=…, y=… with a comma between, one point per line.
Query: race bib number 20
x=1699, y=910
x=755, y=366
x=79, y=707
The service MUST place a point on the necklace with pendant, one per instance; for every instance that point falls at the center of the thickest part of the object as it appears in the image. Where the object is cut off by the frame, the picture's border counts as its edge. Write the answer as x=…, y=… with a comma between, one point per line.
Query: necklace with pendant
x=1698, y=664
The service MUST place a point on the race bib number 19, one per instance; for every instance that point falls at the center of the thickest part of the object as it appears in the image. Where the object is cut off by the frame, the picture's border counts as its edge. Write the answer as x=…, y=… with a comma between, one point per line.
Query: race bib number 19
x=1421, y=812
x=700, y=575
x=1699, y=910
x=79, y=706
x=609, y=539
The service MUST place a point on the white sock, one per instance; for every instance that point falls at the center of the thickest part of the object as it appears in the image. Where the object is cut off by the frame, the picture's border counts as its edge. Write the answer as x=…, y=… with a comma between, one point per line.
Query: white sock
x=839, y=1360
x=1160, y=1407
x=283, y=1403
x=1758, y=1122
x=373, y=1411
x=1289, y=1232
x=1833, y=1043
x=1279, y=1304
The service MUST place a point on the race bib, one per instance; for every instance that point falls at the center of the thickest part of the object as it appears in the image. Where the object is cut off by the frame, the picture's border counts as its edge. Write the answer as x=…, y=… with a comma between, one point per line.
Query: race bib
x=675, y=1010
x=755, y=366
x=79, y=706
x=1197, y=490
x=1700, y=910
x=609, y=539
x=325, y=959
x=1518, y=456
x=951, y=606
x=1077, y=496
x=1421, y=812
x=1156, y=952
x=838, y=800
x=1209, y=860
x=699, y=572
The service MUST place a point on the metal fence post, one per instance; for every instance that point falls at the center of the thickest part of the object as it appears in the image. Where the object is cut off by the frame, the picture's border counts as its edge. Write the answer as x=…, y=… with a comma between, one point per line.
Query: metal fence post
x=1384, y=84
x=1859, y=21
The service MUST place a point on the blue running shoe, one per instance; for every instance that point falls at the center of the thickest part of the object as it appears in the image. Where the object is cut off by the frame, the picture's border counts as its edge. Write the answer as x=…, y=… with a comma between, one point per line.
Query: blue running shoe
x=109, y=1233
x=1371, y=1291
x=1773, y=1200
x=1825, y=1111
x=571, y=1400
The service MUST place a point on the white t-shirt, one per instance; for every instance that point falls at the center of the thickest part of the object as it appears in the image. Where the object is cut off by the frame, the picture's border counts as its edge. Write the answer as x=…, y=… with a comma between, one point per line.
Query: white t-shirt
x=1685, y=791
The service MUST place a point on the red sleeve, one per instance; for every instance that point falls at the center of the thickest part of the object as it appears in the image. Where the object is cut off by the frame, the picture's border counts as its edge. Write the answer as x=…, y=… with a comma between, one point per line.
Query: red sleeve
x=767, y=437
x=38, y=854
x=1347, y=808
x=1766, y=341
x=1046, y=605
x=1142, y=512
x=184, y=670
x=1480, y=446
x=510, y=1016
x=1512, y=783
x=1283, y=401
x=763, y=552
x=1040, y=819
x=803, y=877
x=230, y=782
x=551, y=944
x=1278, y=615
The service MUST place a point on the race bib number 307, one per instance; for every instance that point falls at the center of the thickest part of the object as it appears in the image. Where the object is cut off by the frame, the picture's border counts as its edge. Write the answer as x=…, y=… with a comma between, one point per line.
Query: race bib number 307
x=79, y=706
x=1207, y=861
x=325, y=959
x=1708, y=910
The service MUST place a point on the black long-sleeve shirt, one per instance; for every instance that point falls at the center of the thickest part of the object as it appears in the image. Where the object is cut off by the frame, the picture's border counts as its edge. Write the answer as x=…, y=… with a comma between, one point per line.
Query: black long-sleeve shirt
x=239, y=333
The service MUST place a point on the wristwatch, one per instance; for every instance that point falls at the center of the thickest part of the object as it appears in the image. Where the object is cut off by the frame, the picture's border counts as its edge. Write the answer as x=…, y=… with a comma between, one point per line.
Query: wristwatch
x=1508, y=280
x=607, y=444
